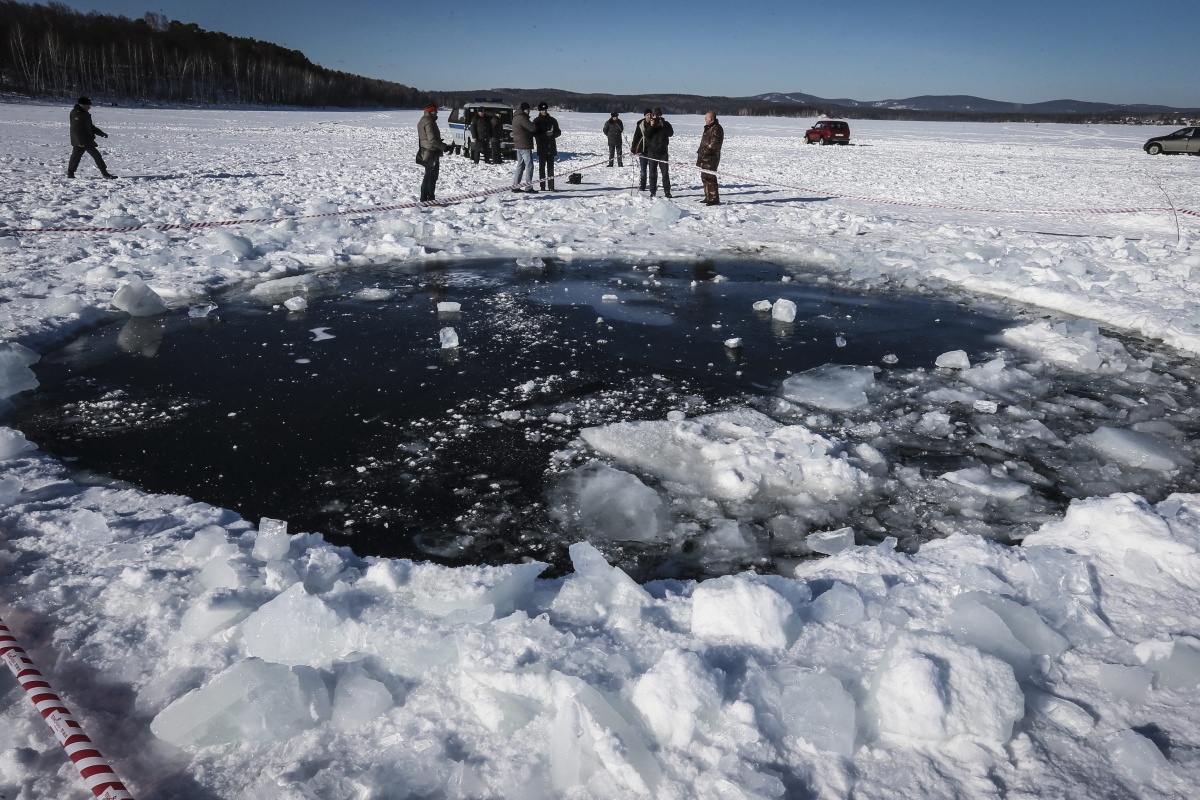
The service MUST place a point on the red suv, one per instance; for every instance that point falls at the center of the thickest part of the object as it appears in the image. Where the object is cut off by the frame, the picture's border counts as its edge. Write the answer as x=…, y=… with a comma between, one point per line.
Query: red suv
x=828, y=131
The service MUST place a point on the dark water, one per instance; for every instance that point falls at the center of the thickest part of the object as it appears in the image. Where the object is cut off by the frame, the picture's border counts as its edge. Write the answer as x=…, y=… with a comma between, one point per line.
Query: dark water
x=383, y=440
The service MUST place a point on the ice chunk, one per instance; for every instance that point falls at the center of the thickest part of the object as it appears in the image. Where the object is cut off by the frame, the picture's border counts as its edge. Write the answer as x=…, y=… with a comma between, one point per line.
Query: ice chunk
x=833, y=387
x=783, y=310
x=819, y=710
x=448, y=338
x=10, y=489
x=955, y=359
x=974, y=624
x=680, y=688
x=277, y=290
x=734, y=344
x=762, y=305
x=446, y=307
x=201, y=311
x=89, y=528
x=830, y=542
x=252, y=701
x=138, y=300
x=439, y=590
x=665, y=210
x=1022, y=621
x=240, y=246
x=739, y=609
x=597, y=591
x=1130, y=684
x=1137, y=755
x=15, y=374
x=212, y=614
x=1134, y=449
x=1180, y=670
x=1063, y=713
x=205, y=542
x=929, y=688
x=272, y=542
x=358, y=699
x=295, y=304
x=293, y=628
x=375, y=294
x=606, y=503
x=839, y=605
x=13, y=443
x=531, y=262
x=981, y=481
x=609, y=298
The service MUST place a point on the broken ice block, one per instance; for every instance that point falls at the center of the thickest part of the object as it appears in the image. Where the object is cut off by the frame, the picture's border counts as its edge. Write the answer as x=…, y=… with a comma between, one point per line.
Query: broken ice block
x=138, y=300
x=783, y=310
x=448, y=337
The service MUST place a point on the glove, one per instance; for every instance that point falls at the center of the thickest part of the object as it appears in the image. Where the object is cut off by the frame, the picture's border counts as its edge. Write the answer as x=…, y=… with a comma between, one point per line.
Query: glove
x=104, y=135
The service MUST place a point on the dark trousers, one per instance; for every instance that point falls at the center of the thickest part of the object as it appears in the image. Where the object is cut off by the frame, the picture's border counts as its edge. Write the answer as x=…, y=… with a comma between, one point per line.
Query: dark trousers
x=495, y=150
x=77, y=154
x=546, y=169
x=478, y=147
x=642, y=164
x=614, y=150
x=655, y=167
x=429, y=185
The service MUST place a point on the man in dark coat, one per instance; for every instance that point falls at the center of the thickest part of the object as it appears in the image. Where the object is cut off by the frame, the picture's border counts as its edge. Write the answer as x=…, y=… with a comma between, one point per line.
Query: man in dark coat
x=83, y=138
x=481, y=134
x=497, y=136
x=638, y=147
x=614, y=129
x=657, y=138
x=709, y=157
x=429, y=139
x=547, y=131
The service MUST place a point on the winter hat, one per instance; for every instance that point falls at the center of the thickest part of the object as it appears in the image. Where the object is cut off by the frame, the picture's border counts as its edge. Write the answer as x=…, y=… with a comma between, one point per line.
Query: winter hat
x=84, y=101
x=524, y=106
x=647, y=111
x=431, y=107
x=616, y=113
x=542, y=106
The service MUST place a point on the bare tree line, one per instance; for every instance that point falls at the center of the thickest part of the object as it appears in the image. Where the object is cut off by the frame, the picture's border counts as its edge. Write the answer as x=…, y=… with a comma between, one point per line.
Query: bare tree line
x=54, y=51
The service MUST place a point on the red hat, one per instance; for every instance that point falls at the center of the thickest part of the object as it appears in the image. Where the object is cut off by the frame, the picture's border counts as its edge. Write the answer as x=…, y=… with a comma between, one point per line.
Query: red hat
x=431, y=107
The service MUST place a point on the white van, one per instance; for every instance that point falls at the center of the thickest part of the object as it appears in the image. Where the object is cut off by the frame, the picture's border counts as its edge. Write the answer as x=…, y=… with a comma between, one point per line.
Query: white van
x=460, y=121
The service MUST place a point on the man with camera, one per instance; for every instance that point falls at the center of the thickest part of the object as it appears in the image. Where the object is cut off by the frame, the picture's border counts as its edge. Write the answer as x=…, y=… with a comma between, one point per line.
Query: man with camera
x=657, y=137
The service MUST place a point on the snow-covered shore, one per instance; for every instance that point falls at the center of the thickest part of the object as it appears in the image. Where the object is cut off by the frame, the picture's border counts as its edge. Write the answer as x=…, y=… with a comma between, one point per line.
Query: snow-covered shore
x=215, y=657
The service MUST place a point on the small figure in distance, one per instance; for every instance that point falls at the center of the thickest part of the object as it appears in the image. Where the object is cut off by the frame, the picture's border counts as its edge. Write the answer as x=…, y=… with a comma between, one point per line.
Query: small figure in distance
x=547, y=149
x=614, y=129
x=523, y=130
x=638, y=148
x=497, y=135
x=657, y=138
x=481, y=134
x=709, y=157
x=429, y=138
x=83, y=138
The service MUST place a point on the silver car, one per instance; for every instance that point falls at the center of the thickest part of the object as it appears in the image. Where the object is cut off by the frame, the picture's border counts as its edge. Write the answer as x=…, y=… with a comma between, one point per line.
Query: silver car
x=1184, y=140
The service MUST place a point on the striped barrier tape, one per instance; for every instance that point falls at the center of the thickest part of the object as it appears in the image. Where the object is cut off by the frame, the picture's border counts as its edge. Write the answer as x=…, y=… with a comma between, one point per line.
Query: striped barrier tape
x=917, y=204
x=95, y=771
x=183, y=226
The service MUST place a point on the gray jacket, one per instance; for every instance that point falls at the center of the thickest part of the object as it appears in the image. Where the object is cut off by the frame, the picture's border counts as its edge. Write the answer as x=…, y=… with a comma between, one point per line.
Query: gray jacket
x=522, y=131
x=428, y=135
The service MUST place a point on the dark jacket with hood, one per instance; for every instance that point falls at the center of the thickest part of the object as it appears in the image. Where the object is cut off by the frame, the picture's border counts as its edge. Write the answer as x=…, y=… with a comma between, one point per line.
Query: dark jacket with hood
x=83, y=132
x=658, y=134
x=613, y=130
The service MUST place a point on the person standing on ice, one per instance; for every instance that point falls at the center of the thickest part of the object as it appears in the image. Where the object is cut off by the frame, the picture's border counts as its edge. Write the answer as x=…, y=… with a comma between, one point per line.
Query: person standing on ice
x=614, y=129
x=83, y=138
x=709, y=157
x=523, y=130
x=481, y=134
x=638, y=148
x=657, y=138
x=547, y=149
x=429, y=139
x=497, y=131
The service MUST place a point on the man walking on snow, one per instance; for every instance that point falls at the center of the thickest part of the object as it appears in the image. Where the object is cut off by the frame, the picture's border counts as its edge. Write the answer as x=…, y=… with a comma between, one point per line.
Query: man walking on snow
x=709, y=157
x=83, y=138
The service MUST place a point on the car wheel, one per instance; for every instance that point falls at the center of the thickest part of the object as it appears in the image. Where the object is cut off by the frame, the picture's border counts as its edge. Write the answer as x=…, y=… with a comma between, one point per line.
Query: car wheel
x=824, y=141
x=1154, y=149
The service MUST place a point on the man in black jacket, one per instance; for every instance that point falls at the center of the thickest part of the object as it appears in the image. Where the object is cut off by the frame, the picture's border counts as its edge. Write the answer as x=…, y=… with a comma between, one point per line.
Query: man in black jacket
x=481, y=134
x=638, y=147
x=497, y=136
x=613, y=129
x=657, y=137
x=547, y=131
x=83, y=138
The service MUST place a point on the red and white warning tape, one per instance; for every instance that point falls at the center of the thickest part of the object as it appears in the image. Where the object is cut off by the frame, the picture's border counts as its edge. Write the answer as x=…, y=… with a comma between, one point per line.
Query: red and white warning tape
x=95, y=771
x=185, y=226
x=915, y=204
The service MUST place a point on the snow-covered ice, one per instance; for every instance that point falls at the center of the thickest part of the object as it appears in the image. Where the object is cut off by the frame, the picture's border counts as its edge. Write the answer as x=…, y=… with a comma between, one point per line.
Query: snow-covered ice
x=210, y=656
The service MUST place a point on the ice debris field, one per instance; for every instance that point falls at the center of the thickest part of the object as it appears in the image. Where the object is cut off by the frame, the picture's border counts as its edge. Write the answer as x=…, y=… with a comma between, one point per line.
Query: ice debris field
x=210, y=656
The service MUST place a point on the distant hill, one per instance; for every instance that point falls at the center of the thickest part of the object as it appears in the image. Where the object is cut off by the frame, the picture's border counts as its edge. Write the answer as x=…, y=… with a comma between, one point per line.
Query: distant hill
x=799, y=104
x=54, y=51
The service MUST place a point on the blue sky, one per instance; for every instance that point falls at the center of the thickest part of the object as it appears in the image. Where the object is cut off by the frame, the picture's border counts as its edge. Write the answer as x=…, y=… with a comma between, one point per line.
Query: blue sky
x=1014, y=50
